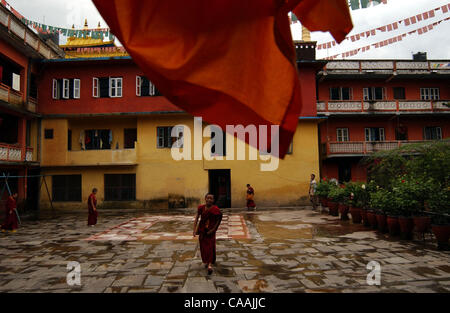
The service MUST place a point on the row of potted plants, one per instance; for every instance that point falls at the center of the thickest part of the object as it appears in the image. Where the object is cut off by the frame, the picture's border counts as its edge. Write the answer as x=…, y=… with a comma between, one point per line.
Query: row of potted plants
x=409, y=203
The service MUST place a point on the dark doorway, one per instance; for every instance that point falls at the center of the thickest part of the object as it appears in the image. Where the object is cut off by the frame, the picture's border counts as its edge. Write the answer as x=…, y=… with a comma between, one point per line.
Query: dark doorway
x=130, y=136
x=344, y=171
x=220, y=187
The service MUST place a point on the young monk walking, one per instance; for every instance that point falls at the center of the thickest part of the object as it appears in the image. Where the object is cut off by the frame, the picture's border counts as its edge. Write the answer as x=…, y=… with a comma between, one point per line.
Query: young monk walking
x=11, y=221
x=92, y=208
x=210, y=218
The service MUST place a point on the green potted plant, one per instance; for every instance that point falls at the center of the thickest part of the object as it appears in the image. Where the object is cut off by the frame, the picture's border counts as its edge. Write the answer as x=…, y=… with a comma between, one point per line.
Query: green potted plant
x=439, y=205
x=404, y=190
x=333, y=199
x=343, y=206
x=382, y=204
x=356, y=200
x=322, y=190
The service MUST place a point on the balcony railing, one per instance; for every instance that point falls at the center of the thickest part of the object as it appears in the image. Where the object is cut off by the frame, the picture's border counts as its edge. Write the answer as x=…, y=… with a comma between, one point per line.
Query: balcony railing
x=15, y=153
x=356, y=106
x=365, y=147
x=101, y=157
x=10, y=95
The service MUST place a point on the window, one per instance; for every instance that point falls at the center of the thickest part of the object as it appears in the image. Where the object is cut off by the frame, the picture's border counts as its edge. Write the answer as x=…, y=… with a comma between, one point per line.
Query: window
x=120, y=187
x=107, y=87
x=399, y=93
x=98, y=139
x=165, y=139
x=115, y=87
x=66, y=188
x=342, y=134
x=374, y=134
x=144, y=87
x=432, y=133
x=76, y=89
x=340, y=93
x=130, y=136
x=95, y=88
x=16, y=81
x=48, y=133
x=374, y=93
x=429, y=93
x=66, y=88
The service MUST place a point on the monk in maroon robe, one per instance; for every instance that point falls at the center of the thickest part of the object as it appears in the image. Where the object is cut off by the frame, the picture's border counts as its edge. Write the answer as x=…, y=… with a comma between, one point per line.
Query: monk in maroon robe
x=250, y=194
x=11, y=221
x=210, y=218
x=92, y=208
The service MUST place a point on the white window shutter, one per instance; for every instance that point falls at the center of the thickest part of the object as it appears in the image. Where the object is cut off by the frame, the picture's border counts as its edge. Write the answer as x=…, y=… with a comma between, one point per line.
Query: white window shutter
x=95, y=87
x=55, y=89
x=76, y=88
x=138, y=85
x=65, y=88
x=111, y=80
x=366, y=93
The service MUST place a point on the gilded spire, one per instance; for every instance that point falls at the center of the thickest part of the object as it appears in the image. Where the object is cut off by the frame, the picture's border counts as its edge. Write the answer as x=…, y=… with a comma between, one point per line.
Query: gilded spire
x=85, y=23
x=306, y=35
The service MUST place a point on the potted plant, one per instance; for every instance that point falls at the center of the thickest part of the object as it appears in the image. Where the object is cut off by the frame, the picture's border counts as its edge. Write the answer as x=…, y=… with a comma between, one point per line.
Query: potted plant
x=422, y=220
x=344, y=197
x=439, y=205
x=405, y=199
x=356, y=200
x=322, y=190
x=333, y=200
x=381, y=202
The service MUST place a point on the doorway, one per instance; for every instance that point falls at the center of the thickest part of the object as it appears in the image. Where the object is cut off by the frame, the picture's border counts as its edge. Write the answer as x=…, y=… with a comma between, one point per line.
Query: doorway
x=220, y=187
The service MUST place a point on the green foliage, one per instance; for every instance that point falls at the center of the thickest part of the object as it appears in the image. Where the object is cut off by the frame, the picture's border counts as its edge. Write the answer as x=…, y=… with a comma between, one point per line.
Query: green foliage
x=339, y=194
x=439, y=202
x=323, y=188
x=383, y=201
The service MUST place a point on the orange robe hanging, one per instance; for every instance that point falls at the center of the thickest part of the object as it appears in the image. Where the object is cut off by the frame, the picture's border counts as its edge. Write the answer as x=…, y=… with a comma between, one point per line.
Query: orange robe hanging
x=231, y=62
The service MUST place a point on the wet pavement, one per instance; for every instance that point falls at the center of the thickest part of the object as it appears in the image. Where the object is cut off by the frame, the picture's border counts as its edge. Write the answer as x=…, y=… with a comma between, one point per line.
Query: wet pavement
x=264, y=251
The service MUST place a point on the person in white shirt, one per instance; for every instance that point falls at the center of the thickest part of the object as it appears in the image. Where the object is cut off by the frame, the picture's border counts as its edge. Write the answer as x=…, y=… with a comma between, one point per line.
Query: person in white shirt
x=312, y=191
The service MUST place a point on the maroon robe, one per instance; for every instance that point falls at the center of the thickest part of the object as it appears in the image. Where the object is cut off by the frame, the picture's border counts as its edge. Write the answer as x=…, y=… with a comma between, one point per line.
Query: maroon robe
x=92, y=217
x=11, y=222
x=208, y=219
x=250, y=194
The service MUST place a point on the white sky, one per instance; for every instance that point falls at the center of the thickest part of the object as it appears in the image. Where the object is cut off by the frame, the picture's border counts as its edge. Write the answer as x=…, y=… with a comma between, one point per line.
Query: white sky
x=435, y=42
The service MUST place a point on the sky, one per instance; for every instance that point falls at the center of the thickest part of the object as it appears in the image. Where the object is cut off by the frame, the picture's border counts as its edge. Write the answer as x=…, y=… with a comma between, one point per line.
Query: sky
x=435, y=42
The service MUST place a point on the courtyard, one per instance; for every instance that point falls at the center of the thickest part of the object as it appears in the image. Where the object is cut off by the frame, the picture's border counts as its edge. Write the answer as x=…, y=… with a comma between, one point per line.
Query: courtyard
x=283, y=251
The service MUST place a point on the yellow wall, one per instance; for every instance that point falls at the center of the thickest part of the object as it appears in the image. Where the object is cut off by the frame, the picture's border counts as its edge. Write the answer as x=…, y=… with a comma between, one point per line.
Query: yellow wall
x=159, y=177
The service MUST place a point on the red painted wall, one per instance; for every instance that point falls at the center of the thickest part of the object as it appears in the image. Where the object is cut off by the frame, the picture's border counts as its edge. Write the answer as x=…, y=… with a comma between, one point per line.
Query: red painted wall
x=308, y=91
x=87, y=104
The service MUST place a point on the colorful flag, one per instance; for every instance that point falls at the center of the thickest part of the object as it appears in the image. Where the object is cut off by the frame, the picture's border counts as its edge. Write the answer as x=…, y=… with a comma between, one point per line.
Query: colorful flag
x=230, y=62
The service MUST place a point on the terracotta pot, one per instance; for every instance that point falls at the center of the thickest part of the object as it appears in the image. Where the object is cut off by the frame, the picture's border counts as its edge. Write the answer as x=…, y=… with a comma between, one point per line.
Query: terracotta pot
x=356, y=215
x=393, y=225
x=364, y=218
x=422, y=223
x=333, y=208
x=406, y=227
x=343, y=210
x=324, y=202
x=381, y=222
x=372, y=218
x=442, y=233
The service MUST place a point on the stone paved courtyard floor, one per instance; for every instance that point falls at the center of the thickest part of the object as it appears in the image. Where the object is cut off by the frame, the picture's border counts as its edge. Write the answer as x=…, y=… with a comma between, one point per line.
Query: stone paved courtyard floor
x=264, y=251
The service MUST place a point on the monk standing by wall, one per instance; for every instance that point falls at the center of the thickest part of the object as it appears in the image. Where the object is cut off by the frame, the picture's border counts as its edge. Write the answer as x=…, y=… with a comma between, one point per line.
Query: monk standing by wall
x=250, y=195
x=11, y=221
x=92, y=208
x=210, y=218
